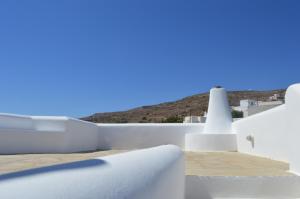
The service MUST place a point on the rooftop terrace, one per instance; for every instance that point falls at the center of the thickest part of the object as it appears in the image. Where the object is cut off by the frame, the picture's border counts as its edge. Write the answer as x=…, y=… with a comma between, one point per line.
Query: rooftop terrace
x=197, y=163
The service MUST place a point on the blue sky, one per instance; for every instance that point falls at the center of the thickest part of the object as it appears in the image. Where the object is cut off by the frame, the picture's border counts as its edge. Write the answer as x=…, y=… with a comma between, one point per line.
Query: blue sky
x=75, y=58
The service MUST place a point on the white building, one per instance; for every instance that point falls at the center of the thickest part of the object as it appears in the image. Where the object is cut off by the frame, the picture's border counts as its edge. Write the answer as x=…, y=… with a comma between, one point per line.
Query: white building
x=251, y=107
x=157, y=172
x=247, y=103
x=194, y=119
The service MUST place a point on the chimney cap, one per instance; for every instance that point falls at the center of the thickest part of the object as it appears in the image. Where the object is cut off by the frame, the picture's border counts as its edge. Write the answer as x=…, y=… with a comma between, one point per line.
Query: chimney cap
x=218, y=86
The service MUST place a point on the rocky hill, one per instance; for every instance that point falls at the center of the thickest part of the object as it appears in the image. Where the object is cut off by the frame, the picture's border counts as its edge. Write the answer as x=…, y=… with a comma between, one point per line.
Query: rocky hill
x=192, y=105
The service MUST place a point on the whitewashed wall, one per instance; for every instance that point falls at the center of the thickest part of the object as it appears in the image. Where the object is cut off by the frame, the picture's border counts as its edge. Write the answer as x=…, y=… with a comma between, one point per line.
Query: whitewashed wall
x=210, y=142
x=37, y=134
x=269, y=134
x=12, y=121
x=210, y=187
x=276, y=132
x=134, y=136
x=82, y=136
x=293, y=126
x=42, y=134
x=135, y=175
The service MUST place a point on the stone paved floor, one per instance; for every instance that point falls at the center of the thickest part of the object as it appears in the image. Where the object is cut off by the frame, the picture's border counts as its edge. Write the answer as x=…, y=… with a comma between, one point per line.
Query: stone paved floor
x=232, y=164
x=197, y=163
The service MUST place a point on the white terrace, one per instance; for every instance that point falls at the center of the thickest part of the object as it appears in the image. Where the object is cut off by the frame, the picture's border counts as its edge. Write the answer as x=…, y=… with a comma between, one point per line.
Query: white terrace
x=255, y=157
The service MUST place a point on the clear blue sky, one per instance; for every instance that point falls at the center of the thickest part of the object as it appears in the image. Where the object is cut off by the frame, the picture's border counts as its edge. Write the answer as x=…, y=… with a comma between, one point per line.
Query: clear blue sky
x=75, y=58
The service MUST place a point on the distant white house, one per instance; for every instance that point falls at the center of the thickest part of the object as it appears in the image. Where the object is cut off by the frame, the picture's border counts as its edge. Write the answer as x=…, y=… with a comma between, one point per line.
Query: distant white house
x=251, y=107
x=194, y=119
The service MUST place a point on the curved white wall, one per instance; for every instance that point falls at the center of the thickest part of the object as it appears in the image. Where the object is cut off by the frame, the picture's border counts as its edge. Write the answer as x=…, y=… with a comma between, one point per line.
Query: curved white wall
x=293, y=125
x=46, y=123
x=155, y=173
x=82, y=136
x=134, y=136
x=37, y=134
x=219, y=118
x=269, y=132
x=15, y=121
x=275, y=132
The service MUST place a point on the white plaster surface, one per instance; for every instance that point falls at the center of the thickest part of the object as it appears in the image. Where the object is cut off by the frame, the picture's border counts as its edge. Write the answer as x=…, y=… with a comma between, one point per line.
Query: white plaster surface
x=15, y=121
x=217, y=134
x=275, y=133
x=268, y=130
x=42, y=134
x=219, y=117
x=210, y=142
x=155, y=173
x=45, y=134
x=293, y=126
x=134, y=136
x=212, y=187
x=38, y=134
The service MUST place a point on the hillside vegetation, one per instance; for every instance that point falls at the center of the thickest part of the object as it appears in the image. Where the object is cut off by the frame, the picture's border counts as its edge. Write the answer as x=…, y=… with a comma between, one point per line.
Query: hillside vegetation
x=176, y=110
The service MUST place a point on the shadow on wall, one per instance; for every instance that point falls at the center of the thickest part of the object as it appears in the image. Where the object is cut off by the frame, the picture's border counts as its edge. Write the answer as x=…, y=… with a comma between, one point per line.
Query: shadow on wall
x=250, y=138
x=60, y=167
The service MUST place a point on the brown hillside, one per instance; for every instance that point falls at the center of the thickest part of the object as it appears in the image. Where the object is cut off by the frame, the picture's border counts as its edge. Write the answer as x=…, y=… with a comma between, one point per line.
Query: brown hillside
x=192, y=105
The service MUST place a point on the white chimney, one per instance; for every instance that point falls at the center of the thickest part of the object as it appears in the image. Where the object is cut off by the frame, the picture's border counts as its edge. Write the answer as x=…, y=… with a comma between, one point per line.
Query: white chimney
x=219, y=117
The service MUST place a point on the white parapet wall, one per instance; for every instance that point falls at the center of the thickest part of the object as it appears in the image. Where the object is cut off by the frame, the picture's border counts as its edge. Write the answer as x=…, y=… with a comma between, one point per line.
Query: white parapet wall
x=39, y=134
x=264, y=134
x=293, y=126
x=210, y=142
x=135, y=136
x=82, y=136
x=12, y=121
x=49, y=134
x=216, y=187
x=274, y=133
x=45, y=134
x=154, y=173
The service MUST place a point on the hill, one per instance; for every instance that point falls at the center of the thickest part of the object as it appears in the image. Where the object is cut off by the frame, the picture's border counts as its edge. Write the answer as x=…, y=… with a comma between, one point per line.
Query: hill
x=192, y=105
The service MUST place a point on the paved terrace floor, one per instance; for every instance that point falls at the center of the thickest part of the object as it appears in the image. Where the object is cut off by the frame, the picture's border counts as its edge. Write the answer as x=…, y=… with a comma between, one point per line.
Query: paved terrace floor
x=197, y=163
